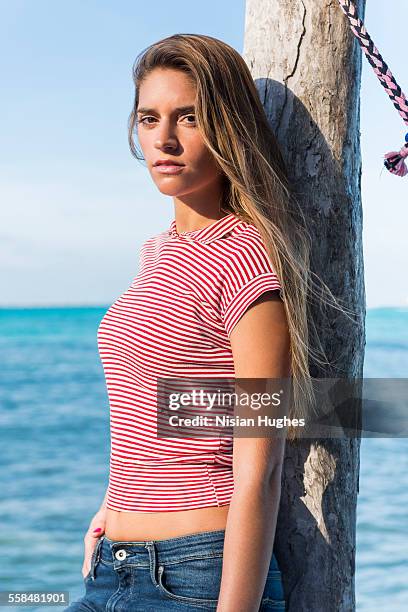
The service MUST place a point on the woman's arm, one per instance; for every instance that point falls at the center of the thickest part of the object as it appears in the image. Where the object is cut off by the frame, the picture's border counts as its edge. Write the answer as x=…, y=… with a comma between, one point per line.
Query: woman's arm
x=98, y=522
x=260, y=344
x=103, y=504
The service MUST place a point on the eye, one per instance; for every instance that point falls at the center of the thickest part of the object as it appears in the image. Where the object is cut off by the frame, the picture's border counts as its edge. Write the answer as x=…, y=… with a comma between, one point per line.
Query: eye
x=143, y=119
x=193, y=116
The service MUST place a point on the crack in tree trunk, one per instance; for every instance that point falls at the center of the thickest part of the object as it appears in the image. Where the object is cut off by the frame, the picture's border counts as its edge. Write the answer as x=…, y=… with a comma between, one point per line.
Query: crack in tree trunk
x=286, y=78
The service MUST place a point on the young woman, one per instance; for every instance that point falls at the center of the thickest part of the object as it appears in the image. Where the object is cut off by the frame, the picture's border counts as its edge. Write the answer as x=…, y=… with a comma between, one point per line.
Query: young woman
x=189, y=524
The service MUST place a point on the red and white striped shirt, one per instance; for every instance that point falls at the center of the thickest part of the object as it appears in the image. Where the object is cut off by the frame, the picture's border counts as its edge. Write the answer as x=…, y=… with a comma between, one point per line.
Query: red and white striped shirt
x=175, y=320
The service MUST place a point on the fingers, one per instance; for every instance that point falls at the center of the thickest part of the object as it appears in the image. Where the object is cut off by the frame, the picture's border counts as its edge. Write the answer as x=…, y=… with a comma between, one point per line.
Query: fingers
x=90, y=543
x=85, y=570
x=95, y=531
x=97, y=526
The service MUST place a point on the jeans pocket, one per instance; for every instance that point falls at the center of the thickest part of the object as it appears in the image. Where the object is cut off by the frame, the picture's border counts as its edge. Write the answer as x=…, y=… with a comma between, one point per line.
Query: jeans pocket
x=273, y=596
x=272, y=604
x=194, y=580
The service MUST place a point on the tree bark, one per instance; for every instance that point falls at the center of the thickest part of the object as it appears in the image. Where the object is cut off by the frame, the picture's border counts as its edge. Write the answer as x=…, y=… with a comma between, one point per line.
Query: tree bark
x=307, y=67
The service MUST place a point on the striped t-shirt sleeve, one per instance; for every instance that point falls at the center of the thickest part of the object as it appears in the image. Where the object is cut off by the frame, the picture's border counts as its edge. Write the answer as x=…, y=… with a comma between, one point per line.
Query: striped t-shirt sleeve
x=248, y=274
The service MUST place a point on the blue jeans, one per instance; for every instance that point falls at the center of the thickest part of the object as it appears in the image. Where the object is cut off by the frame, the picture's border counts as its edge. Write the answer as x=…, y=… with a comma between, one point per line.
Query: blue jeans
x=182, y=573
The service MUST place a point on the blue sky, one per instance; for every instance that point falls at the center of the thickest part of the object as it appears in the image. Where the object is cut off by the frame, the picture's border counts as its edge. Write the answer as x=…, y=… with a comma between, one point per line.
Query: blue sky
x=76, y=206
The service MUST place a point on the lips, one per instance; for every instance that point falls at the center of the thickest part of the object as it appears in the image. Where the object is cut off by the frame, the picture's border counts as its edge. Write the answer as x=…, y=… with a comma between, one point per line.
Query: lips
x=167, y=162
x=169, y=169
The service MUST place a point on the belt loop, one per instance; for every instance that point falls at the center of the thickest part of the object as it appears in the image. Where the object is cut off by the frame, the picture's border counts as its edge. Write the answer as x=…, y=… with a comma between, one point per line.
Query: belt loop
x=152, y=559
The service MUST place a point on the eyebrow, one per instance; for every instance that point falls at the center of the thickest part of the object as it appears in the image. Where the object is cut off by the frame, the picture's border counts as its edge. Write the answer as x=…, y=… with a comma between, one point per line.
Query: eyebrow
x=179, y=109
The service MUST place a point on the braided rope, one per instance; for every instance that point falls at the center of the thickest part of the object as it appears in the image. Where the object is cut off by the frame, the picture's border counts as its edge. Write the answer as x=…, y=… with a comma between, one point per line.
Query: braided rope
x=394, y=161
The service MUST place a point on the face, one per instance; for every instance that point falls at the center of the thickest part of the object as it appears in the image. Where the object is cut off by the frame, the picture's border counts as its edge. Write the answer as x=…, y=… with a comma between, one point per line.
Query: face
x=167, y=130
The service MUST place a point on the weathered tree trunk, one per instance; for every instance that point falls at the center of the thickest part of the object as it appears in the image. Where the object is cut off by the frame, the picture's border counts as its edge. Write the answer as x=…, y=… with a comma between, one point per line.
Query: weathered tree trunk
x=307, y=66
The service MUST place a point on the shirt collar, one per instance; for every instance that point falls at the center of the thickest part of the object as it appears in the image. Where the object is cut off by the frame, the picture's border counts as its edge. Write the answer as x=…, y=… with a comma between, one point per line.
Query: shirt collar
x=207, y=234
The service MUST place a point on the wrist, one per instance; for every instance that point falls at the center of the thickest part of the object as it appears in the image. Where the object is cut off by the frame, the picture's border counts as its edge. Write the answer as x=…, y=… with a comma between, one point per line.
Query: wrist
x=101, y=514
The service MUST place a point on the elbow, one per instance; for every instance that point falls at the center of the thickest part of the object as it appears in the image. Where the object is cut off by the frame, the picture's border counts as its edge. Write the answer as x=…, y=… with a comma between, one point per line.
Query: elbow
x=261, y=485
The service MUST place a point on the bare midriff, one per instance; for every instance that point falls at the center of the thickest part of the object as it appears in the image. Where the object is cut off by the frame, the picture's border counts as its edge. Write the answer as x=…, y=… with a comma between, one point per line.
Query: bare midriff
x=143, y=526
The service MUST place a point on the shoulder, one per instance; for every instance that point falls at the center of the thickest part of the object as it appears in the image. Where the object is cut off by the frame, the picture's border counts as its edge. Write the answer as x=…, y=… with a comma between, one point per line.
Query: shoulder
x=245, y=249
x=150, y=248
x=154, y=241
x=248, y=274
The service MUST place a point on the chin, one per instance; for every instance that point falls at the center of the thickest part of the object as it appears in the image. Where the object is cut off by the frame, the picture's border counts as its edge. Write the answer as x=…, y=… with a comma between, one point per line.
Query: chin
x=171, y=189
x=168, y=190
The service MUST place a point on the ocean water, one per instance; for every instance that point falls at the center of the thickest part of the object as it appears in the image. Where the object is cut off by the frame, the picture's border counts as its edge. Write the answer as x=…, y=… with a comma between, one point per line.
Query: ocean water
x=382, y=506
x=55, y=455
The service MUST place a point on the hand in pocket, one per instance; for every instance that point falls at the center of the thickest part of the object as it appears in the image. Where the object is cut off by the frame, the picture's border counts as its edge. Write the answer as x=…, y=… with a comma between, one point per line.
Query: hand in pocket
x=95, y=531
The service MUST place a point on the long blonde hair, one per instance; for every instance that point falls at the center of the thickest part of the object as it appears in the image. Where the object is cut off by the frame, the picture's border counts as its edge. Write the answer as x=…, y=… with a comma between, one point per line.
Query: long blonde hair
x=235, y=128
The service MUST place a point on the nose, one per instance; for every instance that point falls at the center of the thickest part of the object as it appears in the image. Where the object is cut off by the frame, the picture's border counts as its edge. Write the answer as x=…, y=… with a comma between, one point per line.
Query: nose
x=165, y=137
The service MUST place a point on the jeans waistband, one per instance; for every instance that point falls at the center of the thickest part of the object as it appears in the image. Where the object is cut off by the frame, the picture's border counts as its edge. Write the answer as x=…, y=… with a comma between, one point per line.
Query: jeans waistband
x=207, y=543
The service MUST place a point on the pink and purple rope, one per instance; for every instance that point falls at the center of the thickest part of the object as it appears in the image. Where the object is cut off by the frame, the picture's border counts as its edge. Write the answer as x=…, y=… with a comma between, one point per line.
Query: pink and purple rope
x=393, y=161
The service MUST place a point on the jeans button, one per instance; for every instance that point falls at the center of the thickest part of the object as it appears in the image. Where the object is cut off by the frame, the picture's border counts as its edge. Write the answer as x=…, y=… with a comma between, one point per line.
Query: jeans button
x=120, y=554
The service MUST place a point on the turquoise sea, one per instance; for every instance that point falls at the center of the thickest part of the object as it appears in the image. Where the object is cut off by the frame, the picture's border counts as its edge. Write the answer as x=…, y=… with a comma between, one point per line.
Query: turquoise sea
x=55, y=455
